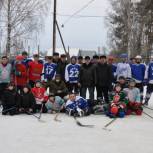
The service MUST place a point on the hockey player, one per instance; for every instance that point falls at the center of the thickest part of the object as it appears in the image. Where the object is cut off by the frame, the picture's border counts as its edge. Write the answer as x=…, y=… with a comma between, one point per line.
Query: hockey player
x=5, y=74
x=54, y=104
x=72, y=75
x=35, y=70
x=133, y=96
x=76, y=105
x=20, y=73
x=123, y=69
x=27, y=101
x=138, y=72
x=49, y=70
x=117, y=107
x=41, y=97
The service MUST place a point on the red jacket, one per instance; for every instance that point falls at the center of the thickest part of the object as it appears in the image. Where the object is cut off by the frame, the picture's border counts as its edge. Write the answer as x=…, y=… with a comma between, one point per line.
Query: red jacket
x=35, y=70
x=21, y=74
x=39, y=93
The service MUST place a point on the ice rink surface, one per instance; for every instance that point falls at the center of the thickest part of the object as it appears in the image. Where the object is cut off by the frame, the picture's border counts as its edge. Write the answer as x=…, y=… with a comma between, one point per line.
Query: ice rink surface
x=25, y=134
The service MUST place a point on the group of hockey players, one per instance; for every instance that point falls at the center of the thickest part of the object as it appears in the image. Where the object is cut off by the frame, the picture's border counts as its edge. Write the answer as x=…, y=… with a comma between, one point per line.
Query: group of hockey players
x=57, y=85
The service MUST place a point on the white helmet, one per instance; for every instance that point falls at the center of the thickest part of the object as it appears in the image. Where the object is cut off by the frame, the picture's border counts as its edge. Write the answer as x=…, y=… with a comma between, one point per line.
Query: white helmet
x=138, y=57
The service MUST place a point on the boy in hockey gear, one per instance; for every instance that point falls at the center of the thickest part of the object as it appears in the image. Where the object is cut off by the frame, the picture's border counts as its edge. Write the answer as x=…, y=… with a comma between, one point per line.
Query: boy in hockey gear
x=10, y=100
x=27, y=101
x=20, y=73
x=35, y=70
x=5, y=74
x=76, y=105
x=103, y=78
x=72, y=75
x=54, y=104
x=87, y=79
x=57, y=87
x=41, y=97
x=117, y=107
x=138, y=72
x=123, y=69
x=49, y=70
x=133, y=96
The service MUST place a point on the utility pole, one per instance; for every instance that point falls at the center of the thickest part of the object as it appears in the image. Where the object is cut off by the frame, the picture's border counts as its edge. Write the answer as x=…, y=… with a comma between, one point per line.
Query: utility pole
x=54, y=26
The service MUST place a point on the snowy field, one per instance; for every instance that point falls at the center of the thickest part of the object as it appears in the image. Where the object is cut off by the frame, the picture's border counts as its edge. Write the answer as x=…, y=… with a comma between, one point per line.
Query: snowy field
x=25, y=134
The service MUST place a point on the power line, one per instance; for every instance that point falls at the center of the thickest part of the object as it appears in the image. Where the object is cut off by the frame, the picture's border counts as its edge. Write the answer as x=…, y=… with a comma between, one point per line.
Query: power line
x=80, y=10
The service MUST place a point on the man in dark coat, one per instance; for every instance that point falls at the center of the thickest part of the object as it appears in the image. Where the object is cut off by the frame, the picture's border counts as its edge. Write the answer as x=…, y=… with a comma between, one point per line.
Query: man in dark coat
x=103, y=78
x=87, y=78
x=61, y=66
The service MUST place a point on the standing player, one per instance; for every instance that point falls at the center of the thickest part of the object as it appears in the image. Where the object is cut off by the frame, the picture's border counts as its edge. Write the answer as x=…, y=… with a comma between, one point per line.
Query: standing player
x=49, y=70
x=72, y=75
x=35, y=70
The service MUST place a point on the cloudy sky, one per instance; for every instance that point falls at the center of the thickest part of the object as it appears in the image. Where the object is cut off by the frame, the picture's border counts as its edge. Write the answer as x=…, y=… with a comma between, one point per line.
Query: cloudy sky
x=84, y=33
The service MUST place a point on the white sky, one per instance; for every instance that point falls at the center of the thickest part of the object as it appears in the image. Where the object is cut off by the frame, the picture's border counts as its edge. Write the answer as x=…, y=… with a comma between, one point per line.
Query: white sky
x=84, y=33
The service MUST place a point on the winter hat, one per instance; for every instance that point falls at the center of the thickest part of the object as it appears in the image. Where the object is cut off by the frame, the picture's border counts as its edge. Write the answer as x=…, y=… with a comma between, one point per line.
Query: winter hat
x=80, y=58
x=74, y=57
x=19, y=58
x=87, y=58
x=121, y=78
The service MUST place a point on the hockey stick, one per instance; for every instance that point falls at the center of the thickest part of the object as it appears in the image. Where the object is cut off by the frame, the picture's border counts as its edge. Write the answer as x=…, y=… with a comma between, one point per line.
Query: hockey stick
x=3, y=111
x=148, y=107
x=108, y=124
x=148, y=115
x=38, y=117
x=82, y=125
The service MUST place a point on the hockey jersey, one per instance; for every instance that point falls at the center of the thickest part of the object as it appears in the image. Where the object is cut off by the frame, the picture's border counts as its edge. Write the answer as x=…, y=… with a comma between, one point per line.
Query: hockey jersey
x=39, y=94
x=35, y=70
x=49, y=71
x=150, y=73
x=72, y=73
x=78, y=103
x=123, y=69
x=138, y=72
x=20, y=74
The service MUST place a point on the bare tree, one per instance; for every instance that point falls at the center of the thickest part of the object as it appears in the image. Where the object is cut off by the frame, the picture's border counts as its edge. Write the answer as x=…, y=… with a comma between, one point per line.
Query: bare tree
x=21, y=18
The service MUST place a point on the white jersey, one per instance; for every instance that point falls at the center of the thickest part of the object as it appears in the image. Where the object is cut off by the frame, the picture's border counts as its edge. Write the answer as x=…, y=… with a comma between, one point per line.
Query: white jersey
x=123, y=69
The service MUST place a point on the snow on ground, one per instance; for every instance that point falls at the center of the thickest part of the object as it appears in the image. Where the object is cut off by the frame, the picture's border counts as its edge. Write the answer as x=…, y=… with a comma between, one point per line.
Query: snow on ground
x=25, y=134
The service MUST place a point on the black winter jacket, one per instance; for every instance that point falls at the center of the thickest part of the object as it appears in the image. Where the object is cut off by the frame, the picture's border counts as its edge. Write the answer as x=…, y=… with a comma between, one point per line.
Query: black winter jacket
x=87, y=76
x=104, y=75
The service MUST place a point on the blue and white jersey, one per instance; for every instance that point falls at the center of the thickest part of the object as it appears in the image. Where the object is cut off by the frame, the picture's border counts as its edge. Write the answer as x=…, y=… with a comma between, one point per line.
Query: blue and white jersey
x=49, y=71
x=78, y=103
x=72, y=73
x=150, y=73
x=138, y=72
x=123, y=69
